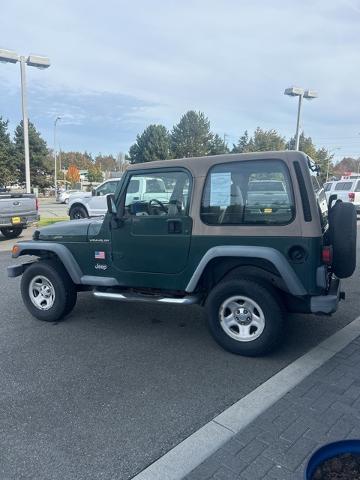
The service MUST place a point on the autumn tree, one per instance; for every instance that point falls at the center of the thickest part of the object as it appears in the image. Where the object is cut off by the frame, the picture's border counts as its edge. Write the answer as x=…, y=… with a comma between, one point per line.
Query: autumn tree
x=73, y=175
x=81, y=160
x=106, y=163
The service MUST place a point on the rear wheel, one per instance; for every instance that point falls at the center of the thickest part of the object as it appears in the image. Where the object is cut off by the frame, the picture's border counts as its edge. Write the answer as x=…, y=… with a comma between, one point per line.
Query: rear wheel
x=245, y=317
x=47, y=290
x=11, y=232
x=78, y=212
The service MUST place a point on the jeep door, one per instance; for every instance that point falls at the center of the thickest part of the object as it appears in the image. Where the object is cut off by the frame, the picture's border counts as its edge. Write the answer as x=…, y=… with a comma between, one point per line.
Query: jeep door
x=154, y=233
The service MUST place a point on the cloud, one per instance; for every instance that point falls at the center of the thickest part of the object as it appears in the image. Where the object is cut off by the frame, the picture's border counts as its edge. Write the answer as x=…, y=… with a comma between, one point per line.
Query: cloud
x=127, y=64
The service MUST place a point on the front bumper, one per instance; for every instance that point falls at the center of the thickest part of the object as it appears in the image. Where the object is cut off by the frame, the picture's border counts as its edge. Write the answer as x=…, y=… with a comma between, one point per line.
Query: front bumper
x=327, y=303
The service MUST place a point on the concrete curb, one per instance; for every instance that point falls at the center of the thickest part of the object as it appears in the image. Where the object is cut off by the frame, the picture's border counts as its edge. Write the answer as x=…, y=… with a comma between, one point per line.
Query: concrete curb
x=195, y=449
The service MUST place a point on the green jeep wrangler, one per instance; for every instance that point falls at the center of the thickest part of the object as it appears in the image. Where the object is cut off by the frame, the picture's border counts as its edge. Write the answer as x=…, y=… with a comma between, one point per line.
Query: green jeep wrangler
x=248, y=236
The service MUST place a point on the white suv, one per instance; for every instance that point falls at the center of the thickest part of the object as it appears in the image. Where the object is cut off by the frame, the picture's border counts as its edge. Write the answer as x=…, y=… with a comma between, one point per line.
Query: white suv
x=347, y=191
x=92, y=204
x=142, y=189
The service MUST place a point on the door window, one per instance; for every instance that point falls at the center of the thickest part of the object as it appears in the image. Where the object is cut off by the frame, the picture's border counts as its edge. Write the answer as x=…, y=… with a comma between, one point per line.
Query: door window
x=158, y=194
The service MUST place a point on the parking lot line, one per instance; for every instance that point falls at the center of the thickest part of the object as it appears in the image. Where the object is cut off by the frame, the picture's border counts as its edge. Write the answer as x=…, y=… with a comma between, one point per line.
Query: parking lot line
x=188, y=454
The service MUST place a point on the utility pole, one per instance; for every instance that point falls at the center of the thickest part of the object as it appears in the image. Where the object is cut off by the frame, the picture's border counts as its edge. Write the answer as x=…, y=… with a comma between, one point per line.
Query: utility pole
x=25, y=123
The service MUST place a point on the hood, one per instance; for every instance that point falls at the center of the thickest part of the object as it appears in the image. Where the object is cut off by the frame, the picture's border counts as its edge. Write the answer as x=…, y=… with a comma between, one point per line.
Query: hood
x=69, y=231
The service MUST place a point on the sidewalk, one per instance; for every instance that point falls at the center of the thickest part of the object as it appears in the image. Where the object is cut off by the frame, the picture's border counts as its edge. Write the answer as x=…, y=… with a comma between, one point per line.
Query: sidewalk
x=323, y=408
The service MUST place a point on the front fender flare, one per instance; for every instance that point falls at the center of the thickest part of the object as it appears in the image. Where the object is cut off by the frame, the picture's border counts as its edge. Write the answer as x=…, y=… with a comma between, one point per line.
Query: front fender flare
x=279, y=261
x=62, y=252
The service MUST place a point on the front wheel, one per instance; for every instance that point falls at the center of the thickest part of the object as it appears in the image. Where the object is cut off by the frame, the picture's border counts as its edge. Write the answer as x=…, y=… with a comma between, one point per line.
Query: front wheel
x=245, y=317
x=12, y=232
x=78, y=212
x=47, y=290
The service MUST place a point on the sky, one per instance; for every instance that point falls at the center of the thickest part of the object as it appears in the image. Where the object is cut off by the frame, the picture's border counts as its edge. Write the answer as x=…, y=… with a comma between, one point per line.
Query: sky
x=118, y=66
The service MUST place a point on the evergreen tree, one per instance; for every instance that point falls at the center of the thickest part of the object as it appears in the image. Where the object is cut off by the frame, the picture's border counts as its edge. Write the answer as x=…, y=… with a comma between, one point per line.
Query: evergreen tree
x=7, y=157
x=191, y=137
x=218, y=146
x=40, y=165
x=321, y=156
x=261, y=141
x=152, y=144
x=244, y=144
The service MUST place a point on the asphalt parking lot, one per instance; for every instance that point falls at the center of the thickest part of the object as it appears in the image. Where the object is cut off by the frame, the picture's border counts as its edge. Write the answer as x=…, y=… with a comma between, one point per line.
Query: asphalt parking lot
x=115, y=386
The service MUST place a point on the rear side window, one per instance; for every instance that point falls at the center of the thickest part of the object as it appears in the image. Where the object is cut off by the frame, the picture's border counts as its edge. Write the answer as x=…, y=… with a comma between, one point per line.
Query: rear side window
x=248, y=193
x=358, y=186
x=327, y=187
x=343, y=186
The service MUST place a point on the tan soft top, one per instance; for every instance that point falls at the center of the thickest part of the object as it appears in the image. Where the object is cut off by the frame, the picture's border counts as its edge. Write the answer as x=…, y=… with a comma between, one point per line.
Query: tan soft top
x=199, y=165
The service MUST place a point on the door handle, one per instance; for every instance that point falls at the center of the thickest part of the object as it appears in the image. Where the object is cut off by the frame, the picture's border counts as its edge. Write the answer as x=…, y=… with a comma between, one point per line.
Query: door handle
x=174, y=226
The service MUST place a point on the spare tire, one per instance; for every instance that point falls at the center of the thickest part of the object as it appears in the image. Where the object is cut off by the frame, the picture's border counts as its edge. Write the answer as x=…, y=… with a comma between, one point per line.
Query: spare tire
x=342, y=236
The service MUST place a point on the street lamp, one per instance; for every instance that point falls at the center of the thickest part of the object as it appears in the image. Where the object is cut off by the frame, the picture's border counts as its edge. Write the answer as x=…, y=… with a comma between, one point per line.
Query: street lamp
x=301, y=93
x=8, y=56
x=55, y=173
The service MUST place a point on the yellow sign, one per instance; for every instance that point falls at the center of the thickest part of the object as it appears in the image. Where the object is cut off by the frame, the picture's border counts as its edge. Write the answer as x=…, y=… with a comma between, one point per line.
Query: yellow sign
x=267, y=210
x=15, y=220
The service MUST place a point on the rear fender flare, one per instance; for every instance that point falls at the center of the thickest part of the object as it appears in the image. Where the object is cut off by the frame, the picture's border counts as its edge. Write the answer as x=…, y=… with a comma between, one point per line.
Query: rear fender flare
x=272, y=255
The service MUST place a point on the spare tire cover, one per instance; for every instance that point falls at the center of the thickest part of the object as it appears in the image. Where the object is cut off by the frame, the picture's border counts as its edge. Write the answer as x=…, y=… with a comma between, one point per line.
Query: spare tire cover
x=342, y=235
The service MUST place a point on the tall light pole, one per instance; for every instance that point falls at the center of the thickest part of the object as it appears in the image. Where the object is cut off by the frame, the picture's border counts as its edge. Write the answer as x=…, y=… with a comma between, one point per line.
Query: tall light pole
x=55, y=172
x=301, y=93
x=8, y=56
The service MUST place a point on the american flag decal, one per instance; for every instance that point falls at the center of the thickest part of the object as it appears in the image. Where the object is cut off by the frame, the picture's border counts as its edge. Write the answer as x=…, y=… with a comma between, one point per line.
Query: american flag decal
x=100, y=255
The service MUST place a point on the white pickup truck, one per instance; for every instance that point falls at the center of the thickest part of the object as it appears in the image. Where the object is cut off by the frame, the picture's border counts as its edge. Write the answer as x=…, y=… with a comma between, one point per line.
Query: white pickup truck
x=17, y=211
x=94, y=204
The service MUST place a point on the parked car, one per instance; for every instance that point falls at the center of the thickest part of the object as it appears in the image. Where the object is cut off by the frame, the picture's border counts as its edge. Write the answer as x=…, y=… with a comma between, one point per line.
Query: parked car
x=267, y=192
x=200, y=242
x=94, y=205
x=64, y=196
x=17, y=211
x=347, y=191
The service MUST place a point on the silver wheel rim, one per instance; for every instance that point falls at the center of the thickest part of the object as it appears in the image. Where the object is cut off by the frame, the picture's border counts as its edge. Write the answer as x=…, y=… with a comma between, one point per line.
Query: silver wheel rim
x=241, y=318
x=42, y=292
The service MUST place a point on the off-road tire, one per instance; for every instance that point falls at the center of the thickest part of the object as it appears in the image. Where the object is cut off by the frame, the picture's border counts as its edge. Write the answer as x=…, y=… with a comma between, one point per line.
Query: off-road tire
x=11, y=232
x=265, y=297
x=342, y=236
x=65, y=290
x=78, y=212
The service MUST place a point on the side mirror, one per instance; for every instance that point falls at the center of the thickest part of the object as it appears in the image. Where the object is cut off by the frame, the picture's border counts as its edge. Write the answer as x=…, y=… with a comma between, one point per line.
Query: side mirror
x=332, y=198
x=111, y=206
x=93, y=192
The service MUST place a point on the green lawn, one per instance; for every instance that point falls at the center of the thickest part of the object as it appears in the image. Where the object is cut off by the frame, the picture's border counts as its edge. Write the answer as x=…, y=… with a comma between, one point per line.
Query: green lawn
x=49, y=221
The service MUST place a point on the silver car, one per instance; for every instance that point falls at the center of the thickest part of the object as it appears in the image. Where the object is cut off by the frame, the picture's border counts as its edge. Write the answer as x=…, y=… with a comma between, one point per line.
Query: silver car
x=63, y=197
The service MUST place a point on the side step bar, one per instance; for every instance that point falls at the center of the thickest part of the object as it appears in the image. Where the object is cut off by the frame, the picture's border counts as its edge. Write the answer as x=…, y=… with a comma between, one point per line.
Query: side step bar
x=138, y=297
